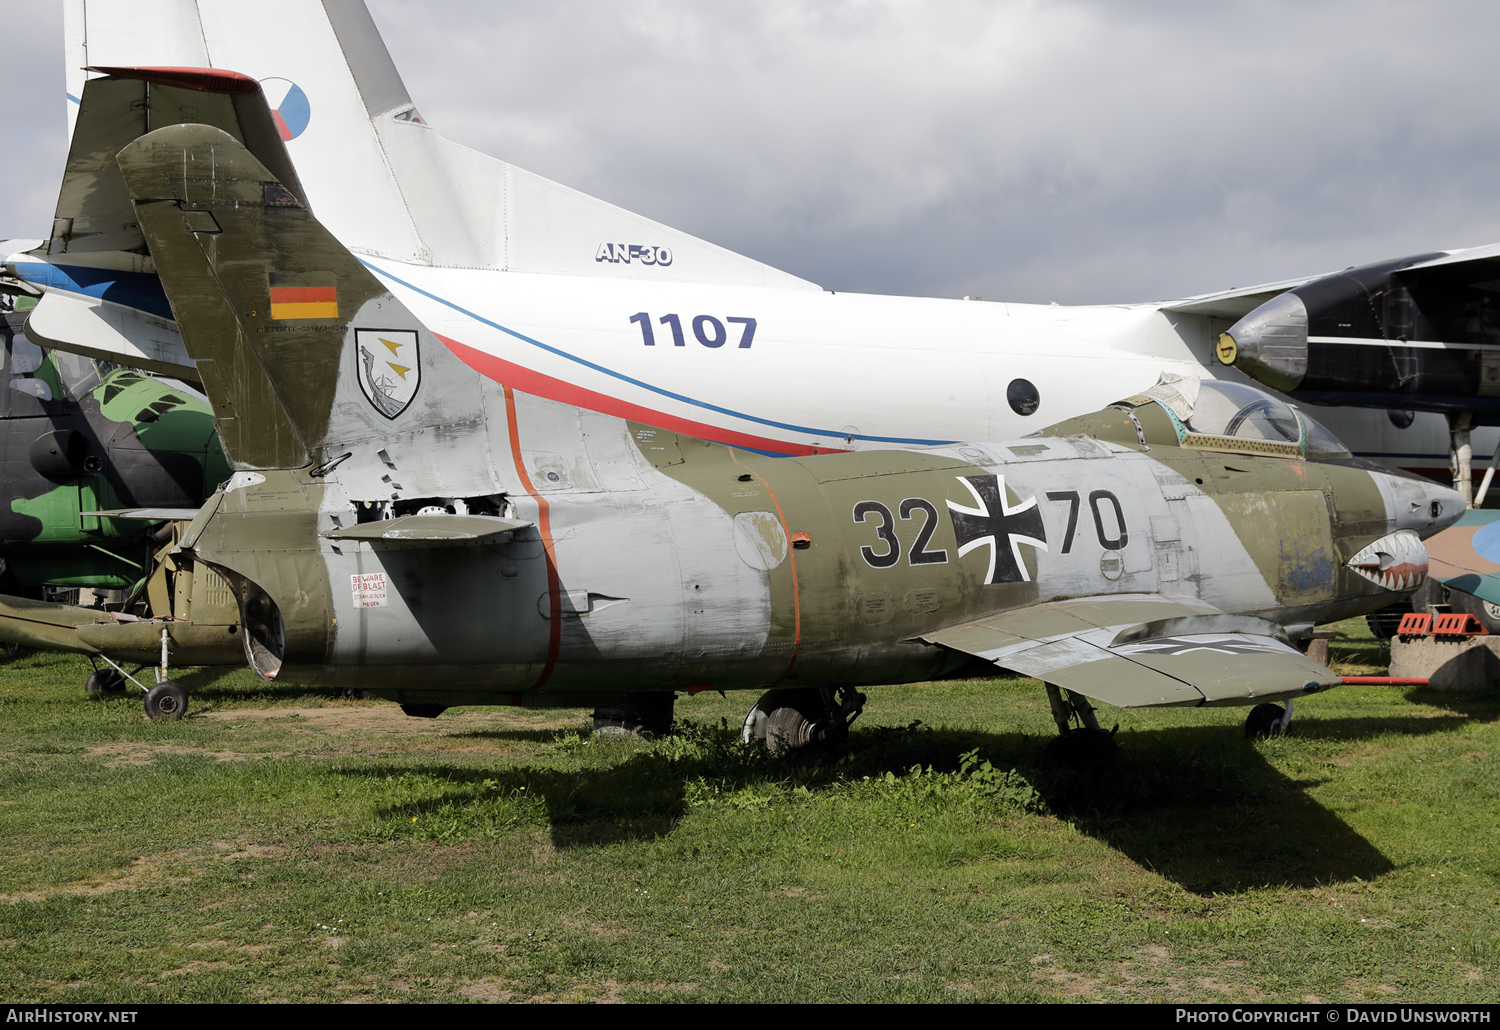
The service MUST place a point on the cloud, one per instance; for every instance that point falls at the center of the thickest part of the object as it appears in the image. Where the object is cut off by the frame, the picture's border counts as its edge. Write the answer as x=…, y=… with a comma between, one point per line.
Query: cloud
x=1076, y=152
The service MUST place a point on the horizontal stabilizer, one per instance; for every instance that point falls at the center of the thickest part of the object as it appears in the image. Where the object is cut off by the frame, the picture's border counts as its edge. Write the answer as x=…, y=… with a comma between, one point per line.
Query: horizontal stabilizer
x=43, y=624
x=80, y=324
x=430, y=530
x=1143, y=650
x=148, y=514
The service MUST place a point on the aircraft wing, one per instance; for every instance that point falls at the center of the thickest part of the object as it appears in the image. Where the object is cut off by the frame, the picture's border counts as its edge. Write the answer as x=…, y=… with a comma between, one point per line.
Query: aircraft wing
x=1143, y=650
x=1466, y=555
x=1235, y=303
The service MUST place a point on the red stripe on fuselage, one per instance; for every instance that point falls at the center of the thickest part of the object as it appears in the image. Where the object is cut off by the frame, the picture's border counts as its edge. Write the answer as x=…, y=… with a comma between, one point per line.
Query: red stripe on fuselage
x=544, y=527
x=539, y=385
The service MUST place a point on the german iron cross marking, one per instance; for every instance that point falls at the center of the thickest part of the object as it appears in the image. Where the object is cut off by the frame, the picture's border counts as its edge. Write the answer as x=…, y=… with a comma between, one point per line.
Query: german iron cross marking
x=998, y=526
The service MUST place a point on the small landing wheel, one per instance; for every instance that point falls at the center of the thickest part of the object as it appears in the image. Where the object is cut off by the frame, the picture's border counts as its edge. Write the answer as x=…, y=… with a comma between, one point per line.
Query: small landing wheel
x=1265, y=721
x=166, y=701
x=102, y=682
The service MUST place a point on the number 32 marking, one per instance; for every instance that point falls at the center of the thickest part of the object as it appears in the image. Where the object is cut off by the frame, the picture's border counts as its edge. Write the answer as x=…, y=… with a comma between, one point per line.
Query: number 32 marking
x=886, y=530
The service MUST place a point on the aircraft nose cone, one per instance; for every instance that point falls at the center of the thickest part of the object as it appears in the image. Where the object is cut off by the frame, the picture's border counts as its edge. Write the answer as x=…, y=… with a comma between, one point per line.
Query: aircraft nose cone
x=1270, y=343
x=1422, y=506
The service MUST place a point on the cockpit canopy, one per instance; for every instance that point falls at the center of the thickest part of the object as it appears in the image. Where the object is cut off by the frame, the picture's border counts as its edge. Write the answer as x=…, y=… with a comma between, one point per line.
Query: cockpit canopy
x=1213, y=415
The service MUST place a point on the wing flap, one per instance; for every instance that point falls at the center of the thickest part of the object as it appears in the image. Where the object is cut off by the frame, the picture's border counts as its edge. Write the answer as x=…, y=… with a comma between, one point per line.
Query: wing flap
x=430, y=530
x=1143, y=651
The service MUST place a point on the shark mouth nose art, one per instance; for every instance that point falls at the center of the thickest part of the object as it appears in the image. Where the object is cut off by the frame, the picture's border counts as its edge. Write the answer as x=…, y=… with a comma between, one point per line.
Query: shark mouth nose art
x=1397, y=561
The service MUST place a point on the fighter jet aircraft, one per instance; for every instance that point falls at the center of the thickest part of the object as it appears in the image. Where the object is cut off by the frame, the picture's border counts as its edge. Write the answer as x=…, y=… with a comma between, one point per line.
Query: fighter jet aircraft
x=403, y=522
x=575, y=298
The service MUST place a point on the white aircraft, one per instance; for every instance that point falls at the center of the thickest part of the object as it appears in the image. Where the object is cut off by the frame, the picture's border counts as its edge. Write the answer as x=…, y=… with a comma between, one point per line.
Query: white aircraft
x=565, y=296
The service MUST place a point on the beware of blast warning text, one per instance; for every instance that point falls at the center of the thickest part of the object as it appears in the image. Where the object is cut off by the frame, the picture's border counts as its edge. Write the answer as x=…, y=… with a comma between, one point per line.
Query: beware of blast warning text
x=369, y=589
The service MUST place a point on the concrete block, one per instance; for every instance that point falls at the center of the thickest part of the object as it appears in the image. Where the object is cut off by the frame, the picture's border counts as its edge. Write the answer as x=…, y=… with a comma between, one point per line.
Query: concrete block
x=1467, y=663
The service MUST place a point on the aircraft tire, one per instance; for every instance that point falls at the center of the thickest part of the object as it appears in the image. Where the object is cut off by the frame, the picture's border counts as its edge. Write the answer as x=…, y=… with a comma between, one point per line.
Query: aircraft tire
x=797, y=720
x=102, y=682
x=1467, y=604
x=1264, y=721
x=641, y=713
x=166, y=701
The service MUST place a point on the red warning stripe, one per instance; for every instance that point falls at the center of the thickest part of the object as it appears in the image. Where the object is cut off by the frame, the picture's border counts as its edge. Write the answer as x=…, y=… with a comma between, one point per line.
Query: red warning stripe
x=539, y=385
x=544, y=527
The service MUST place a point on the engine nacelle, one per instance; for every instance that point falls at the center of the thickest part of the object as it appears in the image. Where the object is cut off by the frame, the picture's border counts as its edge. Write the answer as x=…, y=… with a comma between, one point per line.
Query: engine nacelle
x=1421, y=333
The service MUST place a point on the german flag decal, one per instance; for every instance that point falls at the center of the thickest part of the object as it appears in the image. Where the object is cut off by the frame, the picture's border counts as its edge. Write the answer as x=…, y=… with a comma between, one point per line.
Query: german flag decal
x=304, y=302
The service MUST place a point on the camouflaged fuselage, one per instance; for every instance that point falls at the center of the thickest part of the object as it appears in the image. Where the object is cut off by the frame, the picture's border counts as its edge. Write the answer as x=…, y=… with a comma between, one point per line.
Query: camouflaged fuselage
x=73, y=442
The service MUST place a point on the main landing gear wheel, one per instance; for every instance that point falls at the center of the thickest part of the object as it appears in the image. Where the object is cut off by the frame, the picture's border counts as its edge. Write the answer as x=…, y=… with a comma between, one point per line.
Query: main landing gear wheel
x=102, y=682
x=1082, y=747
x=166, y=701
x=641, y=713
x=1268, y=721
x=796, y=718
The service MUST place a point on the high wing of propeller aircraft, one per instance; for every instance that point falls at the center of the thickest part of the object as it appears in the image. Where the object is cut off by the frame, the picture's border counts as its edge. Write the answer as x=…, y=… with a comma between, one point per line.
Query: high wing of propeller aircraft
x=564, y=294
x=407, y=524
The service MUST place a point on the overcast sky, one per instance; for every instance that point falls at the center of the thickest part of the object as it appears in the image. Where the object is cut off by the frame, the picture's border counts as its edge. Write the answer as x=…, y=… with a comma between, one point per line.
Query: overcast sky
x=1076, y=152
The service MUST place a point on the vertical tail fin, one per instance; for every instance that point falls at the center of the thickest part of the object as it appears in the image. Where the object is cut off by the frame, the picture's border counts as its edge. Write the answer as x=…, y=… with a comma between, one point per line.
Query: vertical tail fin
x=295, y=341
x=380, y=178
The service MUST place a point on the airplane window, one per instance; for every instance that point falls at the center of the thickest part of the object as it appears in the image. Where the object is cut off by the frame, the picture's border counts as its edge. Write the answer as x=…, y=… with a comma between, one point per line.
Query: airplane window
x=78, y=373
x=1229, y=409
x=1023, y=396
x=25, y=356
x=33, y=387
x=1320, y=442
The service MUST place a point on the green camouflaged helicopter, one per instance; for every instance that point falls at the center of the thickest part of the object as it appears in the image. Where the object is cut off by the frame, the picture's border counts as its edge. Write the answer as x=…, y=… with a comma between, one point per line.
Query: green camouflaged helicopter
x=79, y=437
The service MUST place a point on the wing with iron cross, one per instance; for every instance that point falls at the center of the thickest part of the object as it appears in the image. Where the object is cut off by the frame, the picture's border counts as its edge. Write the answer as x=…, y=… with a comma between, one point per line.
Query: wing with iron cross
x=996, y=524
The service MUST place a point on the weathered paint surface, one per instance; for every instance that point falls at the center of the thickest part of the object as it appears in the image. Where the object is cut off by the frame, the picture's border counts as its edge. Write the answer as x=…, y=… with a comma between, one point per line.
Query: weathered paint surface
x=650, y=560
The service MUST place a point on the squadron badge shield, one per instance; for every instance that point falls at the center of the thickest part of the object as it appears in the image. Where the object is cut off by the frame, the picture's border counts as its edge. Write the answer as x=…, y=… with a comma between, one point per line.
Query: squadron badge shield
x=388, y=369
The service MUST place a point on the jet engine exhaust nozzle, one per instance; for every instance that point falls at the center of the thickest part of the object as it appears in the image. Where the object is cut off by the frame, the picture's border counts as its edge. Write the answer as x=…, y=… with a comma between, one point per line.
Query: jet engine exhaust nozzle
x=1397, y=561
x=1270, y=343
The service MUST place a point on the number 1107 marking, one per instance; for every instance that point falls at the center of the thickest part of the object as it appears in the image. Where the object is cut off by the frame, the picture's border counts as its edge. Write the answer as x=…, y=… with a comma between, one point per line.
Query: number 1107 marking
x=707, y=330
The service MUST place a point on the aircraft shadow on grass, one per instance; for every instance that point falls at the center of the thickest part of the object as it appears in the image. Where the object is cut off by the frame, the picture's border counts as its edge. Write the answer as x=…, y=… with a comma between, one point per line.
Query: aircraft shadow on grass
x=1473, y=705
x=1196, y=805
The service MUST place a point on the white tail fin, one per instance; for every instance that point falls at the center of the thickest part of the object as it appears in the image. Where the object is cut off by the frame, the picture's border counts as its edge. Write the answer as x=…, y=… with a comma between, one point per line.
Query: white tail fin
x=376, y=174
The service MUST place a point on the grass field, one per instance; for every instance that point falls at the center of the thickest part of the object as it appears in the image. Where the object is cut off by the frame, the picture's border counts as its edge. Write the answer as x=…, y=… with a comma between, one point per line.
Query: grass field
x=281, y=845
